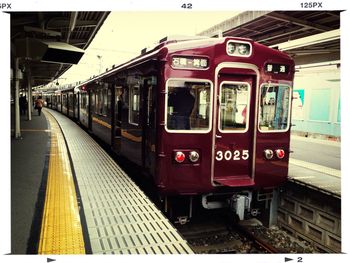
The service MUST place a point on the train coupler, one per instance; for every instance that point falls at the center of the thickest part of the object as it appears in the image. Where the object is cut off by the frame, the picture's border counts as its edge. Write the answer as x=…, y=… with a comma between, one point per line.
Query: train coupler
x=239, y=204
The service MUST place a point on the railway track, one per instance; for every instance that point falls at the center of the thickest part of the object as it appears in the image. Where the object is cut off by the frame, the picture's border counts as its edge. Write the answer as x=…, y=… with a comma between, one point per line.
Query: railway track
x=215, y=234
x=258, y=242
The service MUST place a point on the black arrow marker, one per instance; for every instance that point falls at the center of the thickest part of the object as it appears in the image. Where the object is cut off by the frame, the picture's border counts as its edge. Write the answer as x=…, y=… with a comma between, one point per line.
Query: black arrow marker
x=50, y=259
x=287, y=259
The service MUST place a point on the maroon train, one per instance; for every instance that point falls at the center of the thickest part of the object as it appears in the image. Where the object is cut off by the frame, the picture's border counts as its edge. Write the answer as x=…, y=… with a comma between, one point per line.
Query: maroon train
x=205, y=118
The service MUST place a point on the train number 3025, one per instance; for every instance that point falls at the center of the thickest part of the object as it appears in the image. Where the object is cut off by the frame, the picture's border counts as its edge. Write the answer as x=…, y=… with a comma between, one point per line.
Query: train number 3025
x=232, y=155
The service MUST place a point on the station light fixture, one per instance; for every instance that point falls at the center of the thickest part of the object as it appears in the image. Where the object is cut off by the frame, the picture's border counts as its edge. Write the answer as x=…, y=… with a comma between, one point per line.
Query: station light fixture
x=48, y=51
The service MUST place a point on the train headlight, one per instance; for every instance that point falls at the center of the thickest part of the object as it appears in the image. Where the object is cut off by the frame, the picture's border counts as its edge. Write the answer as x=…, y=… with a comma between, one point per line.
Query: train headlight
x=194, y=156
x=243, y=49
x=280, y=153
x=268, y=154
x=180, y=157
x=231, y=48
x=238, y=48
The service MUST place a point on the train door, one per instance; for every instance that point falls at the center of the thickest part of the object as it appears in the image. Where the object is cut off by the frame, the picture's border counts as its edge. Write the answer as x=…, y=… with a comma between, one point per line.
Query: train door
x=83, y=103
x=91, y=98
x=149, y=124
x=70, y=103
x=64, y=103
x=76, y=105
x=118, y=100
x=234, y=132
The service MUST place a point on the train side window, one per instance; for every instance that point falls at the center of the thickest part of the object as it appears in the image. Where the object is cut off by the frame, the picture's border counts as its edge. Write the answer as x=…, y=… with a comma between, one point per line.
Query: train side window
x=134, y=105
x=109, y=99
x=274, y=107
x=104, y=101
x=76, y=100
x=118, y=101
x=188, y=105
x=149, y=104
x=203, y=107
x=83, y=102
x=101, y=101
x=97, y=101
x=233, y=107
x=70, y=101
x=64, y=100
x=93, y=99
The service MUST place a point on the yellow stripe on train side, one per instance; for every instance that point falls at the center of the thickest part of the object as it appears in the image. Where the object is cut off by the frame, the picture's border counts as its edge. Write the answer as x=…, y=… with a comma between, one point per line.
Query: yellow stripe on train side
x=101, y=122
x=124, y=133
x=131, y=137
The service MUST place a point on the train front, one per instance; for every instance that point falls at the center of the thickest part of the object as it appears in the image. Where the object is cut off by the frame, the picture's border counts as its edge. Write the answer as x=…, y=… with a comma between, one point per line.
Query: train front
x=227, y=113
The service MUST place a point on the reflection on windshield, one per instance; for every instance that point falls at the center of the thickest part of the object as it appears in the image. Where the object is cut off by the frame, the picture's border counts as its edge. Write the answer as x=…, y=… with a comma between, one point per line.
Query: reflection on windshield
x=233, y=104
x=274, y=107
x=188, y=105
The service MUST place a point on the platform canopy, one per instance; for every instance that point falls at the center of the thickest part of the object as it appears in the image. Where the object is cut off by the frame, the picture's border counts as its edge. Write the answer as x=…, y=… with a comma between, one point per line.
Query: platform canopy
x=275, y=28
x=48, y=43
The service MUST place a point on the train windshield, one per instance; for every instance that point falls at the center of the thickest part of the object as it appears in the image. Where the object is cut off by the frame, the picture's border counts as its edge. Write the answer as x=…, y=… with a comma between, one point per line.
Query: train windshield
x=274, y=107
x=189, y=105
x=233, y=107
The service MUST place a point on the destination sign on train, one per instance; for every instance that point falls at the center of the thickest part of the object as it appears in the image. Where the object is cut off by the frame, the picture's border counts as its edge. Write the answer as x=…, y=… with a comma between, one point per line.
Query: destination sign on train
x=190, y=63
x=277, y=68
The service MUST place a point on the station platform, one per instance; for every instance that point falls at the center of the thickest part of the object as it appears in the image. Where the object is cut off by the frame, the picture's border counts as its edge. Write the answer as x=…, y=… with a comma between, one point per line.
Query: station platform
x=29, y=164
x=318, y=177
x=70, y=197
x=316, y=165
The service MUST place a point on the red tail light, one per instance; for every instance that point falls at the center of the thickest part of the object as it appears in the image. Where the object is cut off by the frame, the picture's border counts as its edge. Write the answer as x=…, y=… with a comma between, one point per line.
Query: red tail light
x=180, y=157
x=280, y=153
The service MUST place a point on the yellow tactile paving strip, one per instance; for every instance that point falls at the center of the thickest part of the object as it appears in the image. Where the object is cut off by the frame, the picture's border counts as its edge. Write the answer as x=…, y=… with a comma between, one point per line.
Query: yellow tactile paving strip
x=61, y=230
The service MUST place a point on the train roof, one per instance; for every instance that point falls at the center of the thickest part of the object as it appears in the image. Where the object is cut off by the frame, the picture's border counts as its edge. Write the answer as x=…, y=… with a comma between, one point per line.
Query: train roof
x=174, y=44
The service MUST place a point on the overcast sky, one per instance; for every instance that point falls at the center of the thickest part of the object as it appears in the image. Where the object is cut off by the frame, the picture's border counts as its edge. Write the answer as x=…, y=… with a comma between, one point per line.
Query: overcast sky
x=125, y=34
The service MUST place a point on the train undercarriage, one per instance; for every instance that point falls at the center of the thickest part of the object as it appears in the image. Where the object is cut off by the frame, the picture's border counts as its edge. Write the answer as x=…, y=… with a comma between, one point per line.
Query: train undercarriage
x=239, y=205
